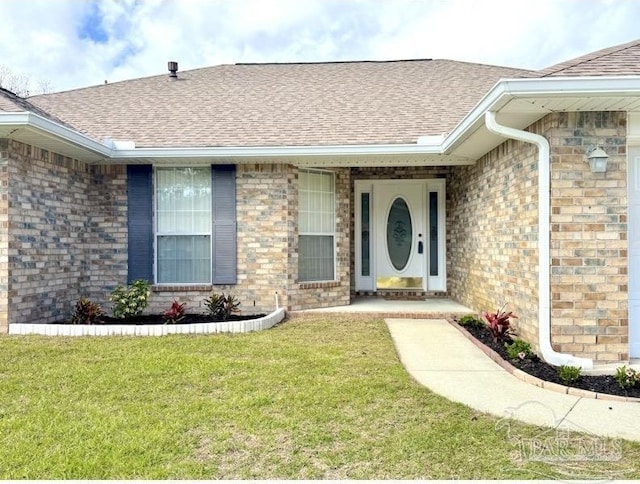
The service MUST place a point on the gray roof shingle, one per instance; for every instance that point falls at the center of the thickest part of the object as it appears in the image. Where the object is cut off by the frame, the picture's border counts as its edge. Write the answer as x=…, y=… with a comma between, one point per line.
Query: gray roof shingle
x=619, y=60
x=12, y=103
x=306, y=104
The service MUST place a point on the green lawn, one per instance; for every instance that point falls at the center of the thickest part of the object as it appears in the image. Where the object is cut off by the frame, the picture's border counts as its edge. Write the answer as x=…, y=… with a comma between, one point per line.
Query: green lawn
x=311, y=398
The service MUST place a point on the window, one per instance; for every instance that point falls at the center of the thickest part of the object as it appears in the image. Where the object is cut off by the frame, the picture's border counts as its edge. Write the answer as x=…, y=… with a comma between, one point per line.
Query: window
x=183, y=225
x=316, y=226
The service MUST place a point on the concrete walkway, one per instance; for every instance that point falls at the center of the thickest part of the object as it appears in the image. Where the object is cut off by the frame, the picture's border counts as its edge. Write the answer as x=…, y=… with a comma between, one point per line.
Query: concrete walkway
x=441, y=358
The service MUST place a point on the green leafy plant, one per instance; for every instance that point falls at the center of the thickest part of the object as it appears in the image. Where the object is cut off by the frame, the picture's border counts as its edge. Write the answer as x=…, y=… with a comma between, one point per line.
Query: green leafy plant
x=174, y=314
x=470, y=321
x=518, y=350
x=86, y=312
x=220, y=307
x=499, y=324
x=130, y=301
x=627, y=377
x=569, y=374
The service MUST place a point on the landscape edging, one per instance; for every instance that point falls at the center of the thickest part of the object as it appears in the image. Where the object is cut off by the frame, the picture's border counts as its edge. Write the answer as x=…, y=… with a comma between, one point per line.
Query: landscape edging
x=527, y=378
x=244, y=326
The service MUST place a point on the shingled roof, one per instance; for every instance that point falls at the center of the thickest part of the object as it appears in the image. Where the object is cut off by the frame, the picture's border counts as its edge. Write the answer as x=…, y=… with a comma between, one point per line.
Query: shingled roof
x=305, y=104
x=619, y=60
x=12, y=103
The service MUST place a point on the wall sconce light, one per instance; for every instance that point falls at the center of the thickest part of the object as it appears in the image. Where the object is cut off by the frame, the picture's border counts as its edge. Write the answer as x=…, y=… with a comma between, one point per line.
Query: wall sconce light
x=597, y=159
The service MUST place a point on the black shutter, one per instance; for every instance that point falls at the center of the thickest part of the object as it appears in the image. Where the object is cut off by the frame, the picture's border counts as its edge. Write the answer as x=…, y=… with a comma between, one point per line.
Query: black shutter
x=139, y=222
x=223, y=183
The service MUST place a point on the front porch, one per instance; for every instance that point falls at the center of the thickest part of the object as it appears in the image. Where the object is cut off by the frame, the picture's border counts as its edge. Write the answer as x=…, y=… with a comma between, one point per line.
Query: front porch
x=430, y=308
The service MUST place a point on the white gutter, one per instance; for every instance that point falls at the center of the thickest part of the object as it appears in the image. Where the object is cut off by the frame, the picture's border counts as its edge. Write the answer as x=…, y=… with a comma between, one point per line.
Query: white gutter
x=544, y=276
x=53, y=129
x=277, y=151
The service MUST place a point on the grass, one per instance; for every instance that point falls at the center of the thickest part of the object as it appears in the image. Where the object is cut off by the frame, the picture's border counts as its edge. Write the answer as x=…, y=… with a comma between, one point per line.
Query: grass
x=311, y=398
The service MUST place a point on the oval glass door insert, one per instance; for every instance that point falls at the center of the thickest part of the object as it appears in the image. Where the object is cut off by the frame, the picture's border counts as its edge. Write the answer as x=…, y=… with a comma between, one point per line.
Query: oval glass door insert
x=399, y=234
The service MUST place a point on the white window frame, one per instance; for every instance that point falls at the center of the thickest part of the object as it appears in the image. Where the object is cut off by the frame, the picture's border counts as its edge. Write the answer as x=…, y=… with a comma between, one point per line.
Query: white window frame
x=157, y=233
x=333, y=234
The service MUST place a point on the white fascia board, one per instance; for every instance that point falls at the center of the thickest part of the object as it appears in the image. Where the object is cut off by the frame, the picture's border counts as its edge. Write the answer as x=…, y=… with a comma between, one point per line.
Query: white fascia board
x=574, y=86
x=55, y=130
x=277, y=151
x=507, y=89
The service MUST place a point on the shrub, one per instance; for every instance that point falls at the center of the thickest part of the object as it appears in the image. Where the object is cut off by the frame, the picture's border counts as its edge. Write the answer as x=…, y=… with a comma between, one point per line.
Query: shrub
x=569, y=374
x=518, y=350
x=130, y=301
x=174, y=314
x=86, y=312
x=627, y=377
x=499, y=324
x=220, y=307
x=470, y=321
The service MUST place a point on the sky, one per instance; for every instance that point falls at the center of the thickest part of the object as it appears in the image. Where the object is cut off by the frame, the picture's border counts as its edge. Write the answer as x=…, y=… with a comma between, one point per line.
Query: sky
x=57, y=45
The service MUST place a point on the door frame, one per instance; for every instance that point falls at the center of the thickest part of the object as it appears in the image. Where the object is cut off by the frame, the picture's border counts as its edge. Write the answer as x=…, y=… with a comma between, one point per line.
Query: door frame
x=367, y=282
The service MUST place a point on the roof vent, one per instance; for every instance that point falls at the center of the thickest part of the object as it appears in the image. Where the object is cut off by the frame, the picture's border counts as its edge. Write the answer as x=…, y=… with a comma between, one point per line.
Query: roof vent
x=173, y=69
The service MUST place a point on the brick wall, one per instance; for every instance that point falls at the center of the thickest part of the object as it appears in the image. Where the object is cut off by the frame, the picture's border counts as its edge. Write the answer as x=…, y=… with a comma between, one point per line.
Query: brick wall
x=65, y=236
x=492, y=235
x=323, y=294
x=589, y=292
x=264, y=227
x=106, y=237
x=48, y=220
x=492, y=231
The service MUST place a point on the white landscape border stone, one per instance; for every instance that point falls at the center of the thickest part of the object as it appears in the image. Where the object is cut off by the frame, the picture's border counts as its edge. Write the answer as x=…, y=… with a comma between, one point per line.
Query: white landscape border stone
x=245, y=326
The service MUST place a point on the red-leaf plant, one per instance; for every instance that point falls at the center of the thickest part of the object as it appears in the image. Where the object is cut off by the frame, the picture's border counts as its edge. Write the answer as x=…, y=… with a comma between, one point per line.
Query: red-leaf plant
x=175, y=314
x=498, y=323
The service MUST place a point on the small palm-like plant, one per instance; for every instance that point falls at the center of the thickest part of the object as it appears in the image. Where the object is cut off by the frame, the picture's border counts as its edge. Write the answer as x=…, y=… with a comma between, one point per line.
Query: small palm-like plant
x=221, y=306
x=499, y=324
x=175, y=313
x=86, y=312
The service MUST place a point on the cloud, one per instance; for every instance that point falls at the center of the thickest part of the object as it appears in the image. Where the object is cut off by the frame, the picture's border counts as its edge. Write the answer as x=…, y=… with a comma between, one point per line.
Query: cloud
x=75, y=44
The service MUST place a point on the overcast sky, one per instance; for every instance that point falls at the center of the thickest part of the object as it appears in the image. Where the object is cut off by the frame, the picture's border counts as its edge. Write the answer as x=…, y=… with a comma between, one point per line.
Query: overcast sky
x=75, y=43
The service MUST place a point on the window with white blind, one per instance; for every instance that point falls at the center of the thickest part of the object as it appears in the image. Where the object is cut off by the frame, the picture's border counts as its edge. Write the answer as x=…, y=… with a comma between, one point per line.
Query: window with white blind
x=183, y=225
x=316, y=226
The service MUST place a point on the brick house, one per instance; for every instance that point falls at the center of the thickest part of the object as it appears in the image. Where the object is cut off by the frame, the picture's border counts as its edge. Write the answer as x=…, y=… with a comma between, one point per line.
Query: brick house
x=321, y=182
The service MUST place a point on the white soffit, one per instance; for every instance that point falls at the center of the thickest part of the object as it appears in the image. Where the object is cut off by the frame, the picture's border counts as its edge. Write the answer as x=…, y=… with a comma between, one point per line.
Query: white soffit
x=521, y=102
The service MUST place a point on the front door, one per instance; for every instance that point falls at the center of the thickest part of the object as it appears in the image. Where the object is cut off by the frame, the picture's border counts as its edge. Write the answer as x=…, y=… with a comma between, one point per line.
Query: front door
x=399, y=227
x=400, y=235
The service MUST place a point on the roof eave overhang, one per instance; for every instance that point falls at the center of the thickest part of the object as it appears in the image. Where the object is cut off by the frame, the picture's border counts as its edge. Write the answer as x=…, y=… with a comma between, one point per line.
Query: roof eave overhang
x=521, y=102
x=518, y=103
x=335, y=156
x=27, y=127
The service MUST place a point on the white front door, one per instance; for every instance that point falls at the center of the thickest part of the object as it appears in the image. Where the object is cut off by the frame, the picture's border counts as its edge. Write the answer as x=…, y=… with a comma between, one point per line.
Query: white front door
x=400, y=235
x=634, y=252
x=400, y=238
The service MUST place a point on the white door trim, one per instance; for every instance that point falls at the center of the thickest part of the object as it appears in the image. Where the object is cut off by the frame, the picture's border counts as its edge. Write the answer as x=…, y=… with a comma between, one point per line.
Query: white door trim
x=367, y=281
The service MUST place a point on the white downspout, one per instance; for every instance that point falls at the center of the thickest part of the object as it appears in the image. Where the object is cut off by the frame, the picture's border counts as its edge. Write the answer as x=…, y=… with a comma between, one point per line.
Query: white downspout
x=544, y=276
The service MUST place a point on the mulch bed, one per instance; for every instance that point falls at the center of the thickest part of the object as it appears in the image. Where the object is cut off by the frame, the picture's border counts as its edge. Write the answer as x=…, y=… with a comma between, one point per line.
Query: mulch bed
x=535, y=366
x=155, y=319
